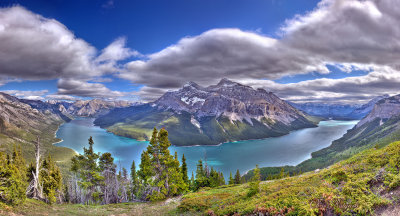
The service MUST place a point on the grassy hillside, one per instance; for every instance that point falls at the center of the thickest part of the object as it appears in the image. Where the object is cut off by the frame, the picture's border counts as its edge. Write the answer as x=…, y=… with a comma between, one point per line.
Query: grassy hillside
x=364, y=184
x=26, y=138
x=37, y=208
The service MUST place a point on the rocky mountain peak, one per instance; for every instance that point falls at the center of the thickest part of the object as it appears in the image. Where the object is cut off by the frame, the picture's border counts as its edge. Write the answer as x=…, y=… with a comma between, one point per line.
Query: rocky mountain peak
x=229, y=99
x=384, y=109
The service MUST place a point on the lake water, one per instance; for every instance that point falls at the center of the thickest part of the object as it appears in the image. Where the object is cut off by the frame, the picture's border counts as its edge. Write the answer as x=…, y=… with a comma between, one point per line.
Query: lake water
x=290, y=149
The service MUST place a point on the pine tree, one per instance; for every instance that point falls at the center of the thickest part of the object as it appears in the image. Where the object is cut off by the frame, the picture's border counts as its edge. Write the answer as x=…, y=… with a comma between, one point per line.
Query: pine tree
x=231, y=181
x=88, y=172
x=255, y=182
x=192, y=185
x=184, y=170
x=51, y=180
x=134, y=180
x=237, y=177
x=13, y=178
x=159, y=169
x=109, y=185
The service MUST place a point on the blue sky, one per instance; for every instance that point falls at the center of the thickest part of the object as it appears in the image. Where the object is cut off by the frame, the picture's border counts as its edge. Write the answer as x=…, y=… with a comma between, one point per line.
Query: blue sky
x=150, y=27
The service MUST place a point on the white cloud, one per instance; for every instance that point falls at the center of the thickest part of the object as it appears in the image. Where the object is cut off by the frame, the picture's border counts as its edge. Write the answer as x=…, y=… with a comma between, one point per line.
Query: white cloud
x=349, y=34
x=30, y=95
x=37, y=48
x=86, y=89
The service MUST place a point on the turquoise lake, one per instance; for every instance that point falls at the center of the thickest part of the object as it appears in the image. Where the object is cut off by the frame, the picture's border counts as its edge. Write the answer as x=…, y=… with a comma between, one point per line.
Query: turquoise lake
x=290, y=149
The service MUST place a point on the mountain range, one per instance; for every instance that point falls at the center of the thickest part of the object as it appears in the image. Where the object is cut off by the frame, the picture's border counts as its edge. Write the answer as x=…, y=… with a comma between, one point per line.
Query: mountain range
x=196, y=115
x=338, y=111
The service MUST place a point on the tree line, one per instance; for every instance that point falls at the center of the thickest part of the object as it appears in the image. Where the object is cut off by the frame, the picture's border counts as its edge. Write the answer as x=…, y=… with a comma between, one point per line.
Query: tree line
x=94, y=179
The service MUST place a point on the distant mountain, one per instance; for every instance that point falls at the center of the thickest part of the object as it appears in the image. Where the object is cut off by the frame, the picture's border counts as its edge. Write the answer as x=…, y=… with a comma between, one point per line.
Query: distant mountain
x=338, y=111
x=196, y=115
x=334, y=111
x=80, y=108
x=57, y=109
x=95, y=107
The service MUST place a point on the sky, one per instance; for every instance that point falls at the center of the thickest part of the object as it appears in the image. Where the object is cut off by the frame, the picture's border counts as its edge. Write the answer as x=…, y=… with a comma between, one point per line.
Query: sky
x=330, y=51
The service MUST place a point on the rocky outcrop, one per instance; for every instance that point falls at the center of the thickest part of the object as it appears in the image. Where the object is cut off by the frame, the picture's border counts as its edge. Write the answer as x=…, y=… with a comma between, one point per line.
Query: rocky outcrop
x=383, y=110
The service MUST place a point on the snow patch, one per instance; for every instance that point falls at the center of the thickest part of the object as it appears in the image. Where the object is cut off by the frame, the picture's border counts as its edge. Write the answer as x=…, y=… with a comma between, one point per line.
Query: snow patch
x=193, y=100
x=195, y=122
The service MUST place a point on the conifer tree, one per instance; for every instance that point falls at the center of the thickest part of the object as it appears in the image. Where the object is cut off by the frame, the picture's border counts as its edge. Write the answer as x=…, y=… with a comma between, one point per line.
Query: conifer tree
x=134, y=179
x=159, y=169
x=255, y=182
x=13, y=178
x=51, y=180
x=231, y=181
x=237, y=177
x=184, y=170
x=88, y=172
x=109, y=185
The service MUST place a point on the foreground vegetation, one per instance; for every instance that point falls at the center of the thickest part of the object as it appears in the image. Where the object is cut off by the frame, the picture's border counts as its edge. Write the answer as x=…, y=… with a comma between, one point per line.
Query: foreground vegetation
x=365, y=184
x=359, y=185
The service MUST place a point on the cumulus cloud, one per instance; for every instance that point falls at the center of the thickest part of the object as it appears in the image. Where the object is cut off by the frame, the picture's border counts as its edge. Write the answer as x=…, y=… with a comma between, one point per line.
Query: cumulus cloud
x=349, y=34
x=33, y=47
x=85, y=89
x=30, y=95
x=221, y=53
x=37, y=48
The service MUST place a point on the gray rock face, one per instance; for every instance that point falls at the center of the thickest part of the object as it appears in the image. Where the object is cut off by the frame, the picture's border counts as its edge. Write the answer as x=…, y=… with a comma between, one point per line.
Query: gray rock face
x=229, y=99
x=16, y=114
x=95, y=107
x=383, y=109
x=365, y=109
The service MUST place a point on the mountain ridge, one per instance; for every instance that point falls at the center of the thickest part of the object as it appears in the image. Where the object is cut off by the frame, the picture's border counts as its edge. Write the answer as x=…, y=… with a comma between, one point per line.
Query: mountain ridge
x=227, y=111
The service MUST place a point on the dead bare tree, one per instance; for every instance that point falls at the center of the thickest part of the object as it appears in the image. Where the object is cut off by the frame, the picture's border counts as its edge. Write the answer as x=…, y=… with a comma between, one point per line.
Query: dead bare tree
x=35, y=189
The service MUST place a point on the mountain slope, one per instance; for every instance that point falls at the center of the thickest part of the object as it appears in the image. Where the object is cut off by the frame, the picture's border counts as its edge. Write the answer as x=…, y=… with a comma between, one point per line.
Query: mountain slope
x=20, y=124
x=196, y=115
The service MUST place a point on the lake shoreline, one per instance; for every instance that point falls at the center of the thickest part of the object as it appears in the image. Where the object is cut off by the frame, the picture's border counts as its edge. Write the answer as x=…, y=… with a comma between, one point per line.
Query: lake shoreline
x=290, y=149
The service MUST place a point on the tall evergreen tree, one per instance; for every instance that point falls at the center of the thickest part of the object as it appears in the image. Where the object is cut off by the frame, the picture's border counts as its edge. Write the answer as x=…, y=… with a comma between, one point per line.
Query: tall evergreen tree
x=231, y=181
x=51, y=180
x=184, y=170
x=159, y=169
x=109, y=185
x=255, y=182
x=88, y=172
x=13, y=178
x=134, y=179
x=237, y=177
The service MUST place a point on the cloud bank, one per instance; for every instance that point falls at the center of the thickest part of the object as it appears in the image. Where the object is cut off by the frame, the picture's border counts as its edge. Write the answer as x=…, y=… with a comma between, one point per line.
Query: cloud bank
x=348, y=34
